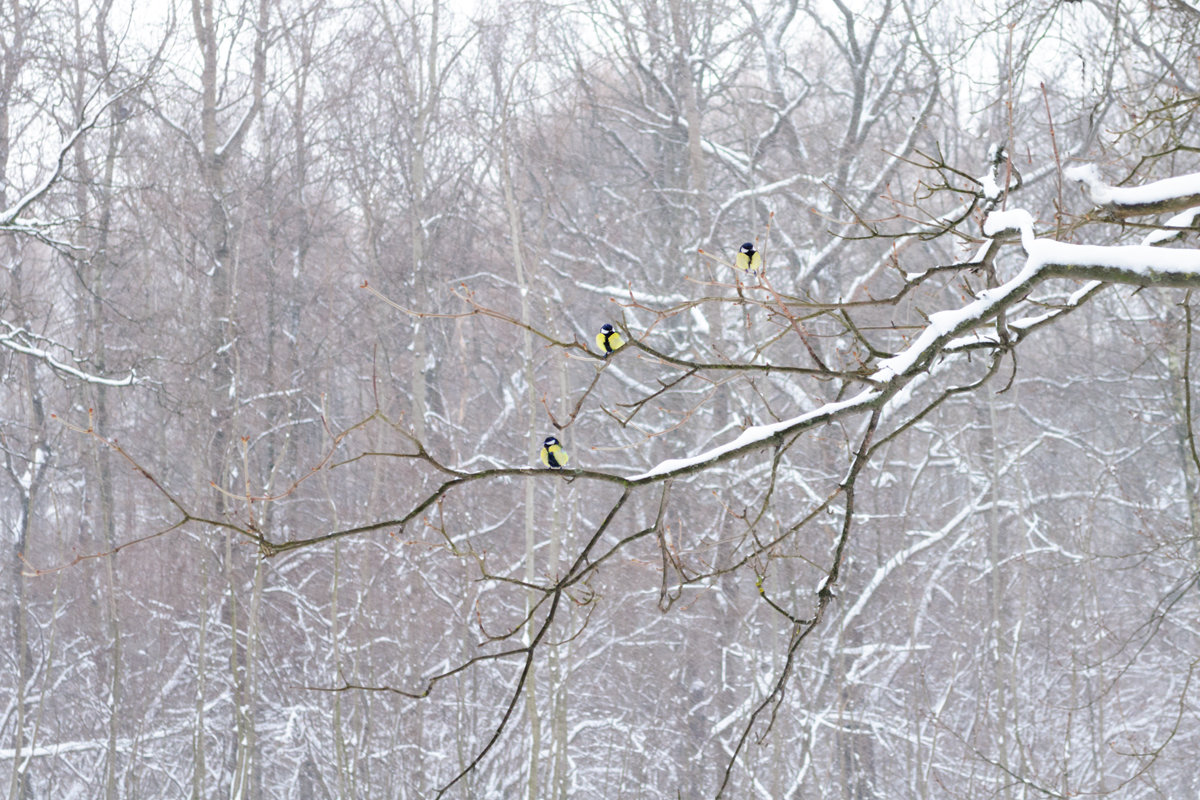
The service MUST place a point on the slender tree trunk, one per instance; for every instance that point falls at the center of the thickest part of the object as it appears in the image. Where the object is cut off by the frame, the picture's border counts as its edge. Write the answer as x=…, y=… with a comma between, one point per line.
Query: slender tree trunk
x=28, y=474
x=1183, y=399
x=93, y=312
x=200, y=787
x=426, y=101
x=559, y=659
x=997, y=612
x=216, y=152
x=531, y=515
x=20, y=785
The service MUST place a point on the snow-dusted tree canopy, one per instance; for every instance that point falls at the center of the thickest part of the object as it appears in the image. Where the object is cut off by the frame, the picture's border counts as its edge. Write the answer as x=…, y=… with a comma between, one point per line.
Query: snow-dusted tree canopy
x=294, y=291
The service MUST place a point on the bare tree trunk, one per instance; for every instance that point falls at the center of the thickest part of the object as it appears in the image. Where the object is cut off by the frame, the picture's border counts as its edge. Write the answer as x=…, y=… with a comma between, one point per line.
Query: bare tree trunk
x=428, y=88
x=559, y=670
x=531, y=516
x=26, y=473
x=997, y=612
x=216, y=153
x=93, y=311
x=200, y=787
x=1183, y=399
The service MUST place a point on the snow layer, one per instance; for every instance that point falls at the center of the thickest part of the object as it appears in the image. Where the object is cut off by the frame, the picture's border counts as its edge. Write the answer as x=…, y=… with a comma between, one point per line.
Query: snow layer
x=1185, y=219
x=1132, y=264
x=1102, y=194
x=756, y=434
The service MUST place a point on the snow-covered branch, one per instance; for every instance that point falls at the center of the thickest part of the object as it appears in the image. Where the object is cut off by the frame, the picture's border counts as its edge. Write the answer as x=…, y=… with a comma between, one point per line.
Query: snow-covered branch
x=10, y=218
x=23, y=341
x=1136, y=265
x=1170, y=194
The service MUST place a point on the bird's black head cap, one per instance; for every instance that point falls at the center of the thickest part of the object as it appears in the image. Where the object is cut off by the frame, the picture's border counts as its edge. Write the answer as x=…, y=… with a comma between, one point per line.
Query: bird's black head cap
x=748, y=247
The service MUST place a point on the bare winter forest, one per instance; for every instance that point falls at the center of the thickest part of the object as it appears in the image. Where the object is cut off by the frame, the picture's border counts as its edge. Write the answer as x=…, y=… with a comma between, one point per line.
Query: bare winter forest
x=293, y=290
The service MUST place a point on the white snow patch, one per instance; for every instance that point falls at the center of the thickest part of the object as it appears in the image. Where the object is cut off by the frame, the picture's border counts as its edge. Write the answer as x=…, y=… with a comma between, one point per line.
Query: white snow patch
x=639, y=294
x=991, y=189
x=756, y=434
x=1138, y=259
x=1185, y=219
x=1018, y=219
x=1102, y=194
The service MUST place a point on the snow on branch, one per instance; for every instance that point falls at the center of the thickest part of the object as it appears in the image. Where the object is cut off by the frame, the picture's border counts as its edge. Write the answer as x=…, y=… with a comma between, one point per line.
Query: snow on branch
x=1170, y=194
x=1174, y=228
x=23, y=341
x=1136, y=265
x=757, y=436
x=10, y=218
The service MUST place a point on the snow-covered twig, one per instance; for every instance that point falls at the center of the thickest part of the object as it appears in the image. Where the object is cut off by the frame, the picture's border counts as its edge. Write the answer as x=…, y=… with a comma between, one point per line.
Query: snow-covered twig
x=22, y=341
x=1170, y=194
x=1137, y=265
x=10, y=218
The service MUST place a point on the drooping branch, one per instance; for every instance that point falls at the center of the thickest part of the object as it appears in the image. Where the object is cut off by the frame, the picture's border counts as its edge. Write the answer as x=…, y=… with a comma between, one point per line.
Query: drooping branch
x=1173, y=194
x=825, y=595
x=26, y=342
x=10, y=218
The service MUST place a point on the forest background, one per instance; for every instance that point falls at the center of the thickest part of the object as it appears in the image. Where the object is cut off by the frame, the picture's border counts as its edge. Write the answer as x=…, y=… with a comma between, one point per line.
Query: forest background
x=292, y=291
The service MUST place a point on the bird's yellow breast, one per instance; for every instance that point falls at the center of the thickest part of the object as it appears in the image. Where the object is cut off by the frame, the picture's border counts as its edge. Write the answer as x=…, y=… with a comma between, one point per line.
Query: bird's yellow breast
x=749, y=263
x=554, y=456
x=609, y=342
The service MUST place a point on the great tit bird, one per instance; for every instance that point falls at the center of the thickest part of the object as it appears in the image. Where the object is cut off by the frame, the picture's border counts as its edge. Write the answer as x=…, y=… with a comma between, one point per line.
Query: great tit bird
x=748, y=259
x=553, y=456
x=608, y=340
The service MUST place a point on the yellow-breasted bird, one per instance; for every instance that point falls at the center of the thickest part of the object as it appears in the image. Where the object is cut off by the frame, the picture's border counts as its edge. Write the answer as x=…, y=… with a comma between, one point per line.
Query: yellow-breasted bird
x=608, y=340
x=748, y=259
x=553, y=456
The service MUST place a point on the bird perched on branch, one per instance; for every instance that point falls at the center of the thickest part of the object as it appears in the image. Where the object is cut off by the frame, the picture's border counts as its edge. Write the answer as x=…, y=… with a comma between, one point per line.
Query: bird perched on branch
x=553, y=456
x=608, y=340
x=748, y=259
